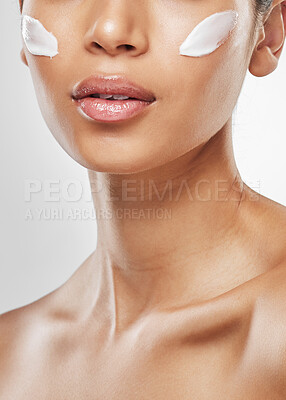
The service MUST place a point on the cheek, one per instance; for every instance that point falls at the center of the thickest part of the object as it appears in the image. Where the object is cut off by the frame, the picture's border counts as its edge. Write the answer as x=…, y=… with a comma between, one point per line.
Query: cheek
x=203, y=93
x=42, y=53
x=52, y=95
x=207, y=87
x=209, y=34
x=38, y=40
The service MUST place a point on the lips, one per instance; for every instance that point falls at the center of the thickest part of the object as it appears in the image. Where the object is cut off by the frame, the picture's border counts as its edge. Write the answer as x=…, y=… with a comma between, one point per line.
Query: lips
x=111, y=98
x=111, y=85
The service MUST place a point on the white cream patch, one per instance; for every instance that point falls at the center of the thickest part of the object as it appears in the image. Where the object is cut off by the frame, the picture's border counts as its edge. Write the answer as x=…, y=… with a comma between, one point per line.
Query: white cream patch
x=38, y=40
x=209, y=34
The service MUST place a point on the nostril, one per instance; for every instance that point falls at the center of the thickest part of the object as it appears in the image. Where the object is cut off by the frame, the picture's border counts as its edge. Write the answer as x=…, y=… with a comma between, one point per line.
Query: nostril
x=98, y=46
x=128, y=47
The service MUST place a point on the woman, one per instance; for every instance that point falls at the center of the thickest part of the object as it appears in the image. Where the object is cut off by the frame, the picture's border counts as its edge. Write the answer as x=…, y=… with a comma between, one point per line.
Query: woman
x=184, y=295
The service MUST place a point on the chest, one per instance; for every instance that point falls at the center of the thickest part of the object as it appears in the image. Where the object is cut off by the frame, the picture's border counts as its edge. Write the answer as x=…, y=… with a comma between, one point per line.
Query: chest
x=145, y=367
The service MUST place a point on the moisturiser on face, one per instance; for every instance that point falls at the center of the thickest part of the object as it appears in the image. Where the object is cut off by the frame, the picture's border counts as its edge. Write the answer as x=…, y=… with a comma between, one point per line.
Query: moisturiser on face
x=209, y=34
x=38, y=40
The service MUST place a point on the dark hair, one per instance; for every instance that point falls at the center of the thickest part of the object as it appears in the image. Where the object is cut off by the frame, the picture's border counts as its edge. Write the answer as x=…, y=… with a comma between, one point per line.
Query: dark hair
x=262, y=5
x=260, y=8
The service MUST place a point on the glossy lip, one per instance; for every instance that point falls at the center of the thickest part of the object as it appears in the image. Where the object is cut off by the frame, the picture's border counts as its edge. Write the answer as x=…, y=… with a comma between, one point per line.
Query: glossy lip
x=112, y=84
x=102, y=110
x=112, y=110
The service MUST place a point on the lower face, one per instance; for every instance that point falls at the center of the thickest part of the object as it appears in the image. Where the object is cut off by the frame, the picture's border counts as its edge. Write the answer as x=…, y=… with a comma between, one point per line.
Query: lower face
x=195, y=96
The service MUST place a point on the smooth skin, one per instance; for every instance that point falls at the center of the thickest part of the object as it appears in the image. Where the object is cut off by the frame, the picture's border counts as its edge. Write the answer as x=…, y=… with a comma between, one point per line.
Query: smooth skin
x=186, y=307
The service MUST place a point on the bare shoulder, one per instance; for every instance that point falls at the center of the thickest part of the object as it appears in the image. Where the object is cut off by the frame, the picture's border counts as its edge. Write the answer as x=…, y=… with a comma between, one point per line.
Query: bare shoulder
x=32, y=338
x=33, y=330
x=265, y=350
x=266, y=344
x=271, y=303
x=16, y=326
x=10, y=329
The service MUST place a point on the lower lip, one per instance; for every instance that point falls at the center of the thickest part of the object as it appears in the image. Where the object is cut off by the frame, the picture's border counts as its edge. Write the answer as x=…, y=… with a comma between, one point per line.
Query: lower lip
x=111, y=110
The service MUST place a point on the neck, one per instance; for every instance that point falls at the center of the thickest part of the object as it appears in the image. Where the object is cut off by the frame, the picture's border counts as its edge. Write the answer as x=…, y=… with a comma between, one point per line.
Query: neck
x=162, y=232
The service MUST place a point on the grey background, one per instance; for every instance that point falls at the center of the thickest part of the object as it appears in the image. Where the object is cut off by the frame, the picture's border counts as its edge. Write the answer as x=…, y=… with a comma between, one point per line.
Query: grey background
x=38, y=255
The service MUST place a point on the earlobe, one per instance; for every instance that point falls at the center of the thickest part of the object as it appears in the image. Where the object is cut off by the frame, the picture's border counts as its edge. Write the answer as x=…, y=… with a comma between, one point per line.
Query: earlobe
x=269, y=45
x=23, y=57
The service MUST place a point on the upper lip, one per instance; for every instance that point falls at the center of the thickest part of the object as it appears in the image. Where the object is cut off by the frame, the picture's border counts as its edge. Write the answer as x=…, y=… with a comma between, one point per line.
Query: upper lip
x=111, y=84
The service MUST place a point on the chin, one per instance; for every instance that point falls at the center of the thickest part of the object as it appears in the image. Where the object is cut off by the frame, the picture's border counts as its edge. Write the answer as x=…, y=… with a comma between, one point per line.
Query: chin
x=107, y=158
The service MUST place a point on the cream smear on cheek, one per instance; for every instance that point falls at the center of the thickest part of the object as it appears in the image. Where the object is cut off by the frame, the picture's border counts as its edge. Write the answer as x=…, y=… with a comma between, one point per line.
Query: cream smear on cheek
x=209, y=34
x=37, y=39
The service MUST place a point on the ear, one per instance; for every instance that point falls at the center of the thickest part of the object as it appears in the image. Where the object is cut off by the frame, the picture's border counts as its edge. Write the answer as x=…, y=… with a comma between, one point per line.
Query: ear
x=270, y=42
x=23, y=57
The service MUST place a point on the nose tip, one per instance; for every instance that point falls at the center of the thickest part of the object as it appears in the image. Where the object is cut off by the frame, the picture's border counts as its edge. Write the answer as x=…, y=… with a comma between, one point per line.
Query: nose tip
x=115, y=36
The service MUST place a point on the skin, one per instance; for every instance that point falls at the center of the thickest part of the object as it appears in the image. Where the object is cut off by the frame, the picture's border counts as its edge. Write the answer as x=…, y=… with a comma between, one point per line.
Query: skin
x=191, y=307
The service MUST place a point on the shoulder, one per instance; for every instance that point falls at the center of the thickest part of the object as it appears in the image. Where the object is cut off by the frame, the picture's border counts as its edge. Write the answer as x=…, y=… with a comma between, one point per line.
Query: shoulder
x=10, y=326
x=15, y=326
x=265, y=350
x=41, y=322
x=25, y=332
x=55, y=308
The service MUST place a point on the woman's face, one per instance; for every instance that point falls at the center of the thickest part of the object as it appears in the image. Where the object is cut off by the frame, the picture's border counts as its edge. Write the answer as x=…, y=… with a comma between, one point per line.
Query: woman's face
x=195, y=96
